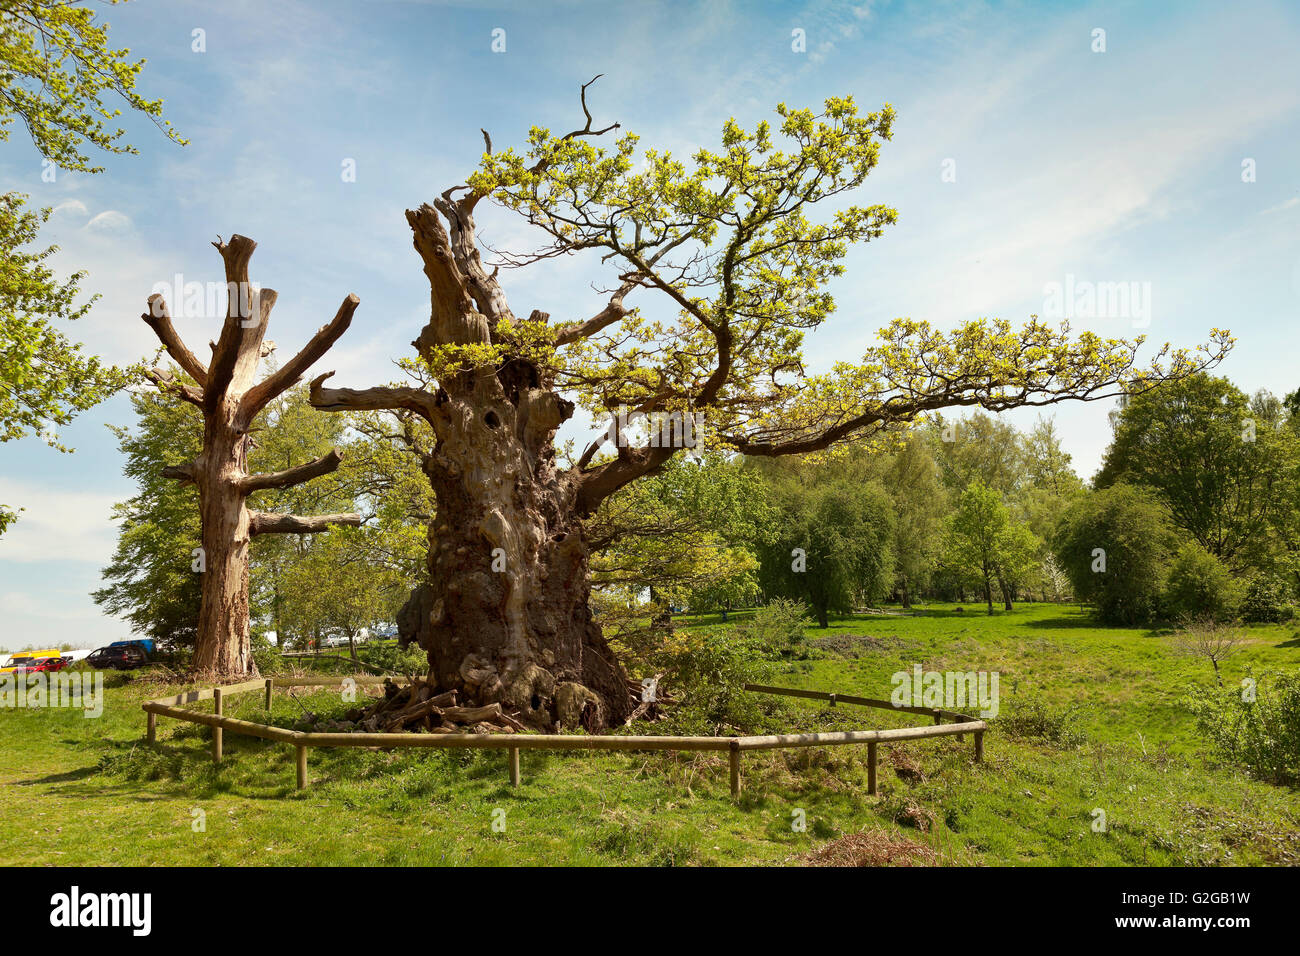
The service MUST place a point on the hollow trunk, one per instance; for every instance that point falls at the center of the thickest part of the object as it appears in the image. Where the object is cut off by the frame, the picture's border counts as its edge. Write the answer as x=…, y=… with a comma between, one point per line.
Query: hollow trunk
x=505, y=616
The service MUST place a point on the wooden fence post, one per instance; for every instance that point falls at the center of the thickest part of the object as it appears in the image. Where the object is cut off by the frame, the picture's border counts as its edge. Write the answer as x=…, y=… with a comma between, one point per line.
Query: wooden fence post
x=270, y=682
x=216, y=731
x=302, y=767
x=151, y=727
x=514, y=766
x=734, y=761
x=979, y=746
x=871, y=767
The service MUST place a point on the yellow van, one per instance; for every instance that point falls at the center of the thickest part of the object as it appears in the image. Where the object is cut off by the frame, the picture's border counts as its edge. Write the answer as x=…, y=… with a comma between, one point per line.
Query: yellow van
x=26, y=657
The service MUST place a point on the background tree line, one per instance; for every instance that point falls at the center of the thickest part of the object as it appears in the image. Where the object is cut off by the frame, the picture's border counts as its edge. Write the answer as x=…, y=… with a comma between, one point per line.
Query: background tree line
x=1193, y=513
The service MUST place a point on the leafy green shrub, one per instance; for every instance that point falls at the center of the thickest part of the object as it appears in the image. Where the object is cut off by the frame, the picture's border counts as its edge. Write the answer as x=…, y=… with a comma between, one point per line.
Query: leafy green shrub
x=1200, y=586
x=1114, y=546
x=706, y=676
x=1260, y=735
x=265, y=654
x=1032, y=718
x=778, y=627
x=392, y=659
x=1268, y=600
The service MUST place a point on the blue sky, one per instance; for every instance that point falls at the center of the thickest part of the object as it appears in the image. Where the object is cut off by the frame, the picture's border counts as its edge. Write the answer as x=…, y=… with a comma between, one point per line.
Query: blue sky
x=1115, y=166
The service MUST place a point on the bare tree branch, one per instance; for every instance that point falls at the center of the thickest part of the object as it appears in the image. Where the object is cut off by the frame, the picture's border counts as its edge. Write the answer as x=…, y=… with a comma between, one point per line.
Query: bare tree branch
x=186, y=473
x=379, y=398
x=237, y=351
x=613, y=311
x=257, y=397
x=167, y=382
x=292, y=476
x=265, y=522
x=159, y=319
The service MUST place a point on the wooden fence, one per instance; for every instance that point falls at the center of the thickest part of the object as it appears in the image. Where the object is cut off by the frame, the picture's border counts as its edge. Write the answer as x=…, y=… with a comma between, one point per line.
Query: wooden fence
x=514, y=743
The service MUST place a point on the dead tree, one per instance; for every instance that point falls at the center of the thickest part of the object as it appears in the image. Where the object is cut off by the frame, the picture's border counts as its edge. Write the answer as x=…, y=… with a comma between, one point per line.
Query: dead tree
x=229, y=399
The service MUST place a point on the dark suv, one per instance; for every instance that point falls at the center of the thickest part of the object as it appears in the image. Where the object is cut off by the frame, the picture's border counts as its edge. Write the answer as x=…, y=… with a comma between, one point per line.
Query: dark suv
x=122, y=657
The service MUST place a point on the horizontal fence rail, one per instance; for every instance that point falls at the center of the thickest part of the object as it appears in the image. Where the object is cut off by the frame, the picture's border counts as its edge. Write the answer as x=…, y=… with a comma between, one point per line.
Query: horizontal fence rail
x=514, y=743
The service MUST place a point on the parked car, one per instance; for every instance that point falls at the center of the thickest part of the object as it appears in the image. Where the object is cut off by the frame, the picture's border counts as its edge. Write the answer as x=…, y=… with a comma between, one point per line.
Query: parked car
x=45, y=664
x=143, y=642
x=122, y=657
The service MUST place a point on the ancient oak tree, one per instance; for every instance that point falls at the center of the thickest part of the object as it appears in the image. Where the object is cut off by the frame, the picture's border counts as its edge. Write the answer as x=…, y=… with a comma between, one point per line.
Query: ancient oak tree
x=228, y=396
x=734, y=251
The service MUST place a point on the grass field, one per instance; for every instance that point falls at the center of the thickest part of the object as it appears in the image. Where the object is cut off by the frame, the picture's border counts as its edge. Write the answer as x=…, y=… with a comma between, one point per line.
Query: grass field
x=84, y=791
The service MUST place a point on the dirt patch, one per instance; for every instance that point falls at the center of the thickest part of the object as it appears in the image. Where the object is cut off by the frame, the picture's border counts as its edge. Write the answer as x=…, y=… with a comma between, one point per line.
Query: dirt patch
x=873, y=848
x=916, y=816
x=856, y=645
x=905, y=765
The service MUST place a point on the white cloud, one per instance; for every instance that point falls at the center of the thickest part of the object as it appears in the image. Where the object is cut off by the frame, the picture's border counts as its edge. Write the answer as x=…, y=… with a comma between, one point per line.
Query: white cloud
x=70, y=208
x=110, y=221
x=14, y=603
x=57, y=525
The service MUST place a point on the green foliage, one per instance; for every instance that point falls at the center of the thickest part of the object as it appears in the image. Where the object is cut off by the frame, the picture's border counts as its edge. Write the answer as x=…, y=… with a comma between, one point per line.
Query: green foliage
x=982, y=541
x=1030, y=717
x=46, y=378
x=735, y=239
x=150, y=581
x=979, y=449
x=1268, y=600
x=265, y=654
x=57, y=71
x=845, y=532
x=56, y=68
x=706, y=675
x=1228, y=475
x=1199, y=585
x=1114, y=545
x=686, y=533
x=778, y=627
x=385, y=657
x=919, y=500
x=1261, y=735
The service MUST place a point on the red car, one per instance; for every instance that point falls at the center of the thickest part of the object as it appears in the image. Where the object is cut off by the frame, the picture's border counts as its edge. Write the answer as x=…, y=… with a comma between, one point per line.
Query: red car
x=45, y=664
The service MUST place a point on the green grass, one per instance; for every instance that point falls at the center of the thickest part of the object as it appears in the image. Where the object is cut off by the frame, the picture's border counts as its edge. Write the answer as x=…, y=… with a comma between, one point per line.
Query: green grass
x=79, y=791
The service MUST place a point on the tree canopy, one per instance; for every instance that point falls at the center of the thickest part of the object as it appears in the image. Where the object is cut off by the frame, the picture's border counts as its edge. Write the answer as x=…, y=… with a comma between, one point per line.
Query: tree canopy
x=1225, y=467
x=58, y=74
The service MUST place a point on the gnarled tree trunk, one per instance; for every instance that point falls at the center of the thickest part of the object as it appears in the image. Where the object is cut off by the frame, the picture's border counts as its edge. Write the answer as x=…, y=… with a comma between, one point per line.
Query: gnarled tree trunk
x=505, y=616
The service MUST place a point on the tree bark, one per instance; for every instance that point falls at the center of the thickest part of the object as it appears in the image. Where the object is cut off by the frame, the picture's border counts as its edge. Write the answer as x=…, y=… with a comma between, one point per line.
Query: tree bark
x=1006, y=592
